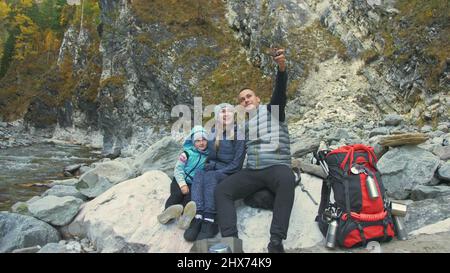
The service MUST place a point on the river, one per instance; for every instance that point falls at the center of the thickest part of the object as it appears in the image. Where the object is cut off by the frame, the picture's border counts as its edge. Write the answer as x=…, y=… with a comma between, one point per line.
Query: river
x=24, y=167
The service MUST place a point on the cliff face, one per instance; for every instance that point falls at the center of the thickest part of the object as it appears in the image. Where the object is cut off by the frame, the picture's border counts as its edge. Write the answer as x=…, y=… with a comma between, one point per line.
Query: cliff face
x=396, y=40
x=144, y=58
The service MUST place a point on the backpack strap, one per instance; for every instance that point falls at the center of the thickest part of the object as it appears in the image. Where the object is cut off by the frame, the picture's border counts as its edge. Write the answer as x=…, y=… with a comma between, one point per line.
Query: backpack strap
x=324, y=197
x=361, y=233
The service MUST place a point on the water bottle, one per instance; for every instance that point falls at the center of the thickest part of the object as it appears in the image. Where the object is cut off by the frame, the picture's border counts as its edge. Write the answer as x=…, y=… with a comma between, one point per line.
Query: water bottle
x=372, y=187
x=219, y=248
x=331, y=234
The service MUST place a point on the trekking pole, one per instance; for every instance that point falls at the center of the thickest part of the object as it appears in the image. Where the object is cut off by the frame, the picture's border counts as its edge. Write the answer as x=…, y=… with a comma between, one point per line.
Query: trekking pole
x=302, y=187
x=320, y=158
x=298, y=181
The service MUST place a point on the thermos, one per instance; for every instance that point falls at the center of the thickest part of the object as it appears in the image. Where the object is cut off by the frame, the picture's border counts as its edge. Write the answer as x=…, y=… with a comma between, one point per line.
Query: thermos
x=219, y=248
x=331, y=234
x=372, y=187
x=398, y=209
x=400, y=228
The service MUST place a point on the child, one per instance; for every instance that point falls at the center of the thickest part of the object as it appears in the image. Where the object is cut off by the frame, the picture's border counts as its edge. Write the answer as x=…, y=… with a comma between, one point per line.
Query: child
x=190, y=161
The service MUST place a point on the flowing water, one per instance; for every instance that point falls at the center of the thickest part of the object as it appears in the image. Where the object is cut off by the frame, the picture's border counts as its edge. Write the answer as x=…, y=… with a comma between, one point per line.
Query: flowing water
x=21, y=168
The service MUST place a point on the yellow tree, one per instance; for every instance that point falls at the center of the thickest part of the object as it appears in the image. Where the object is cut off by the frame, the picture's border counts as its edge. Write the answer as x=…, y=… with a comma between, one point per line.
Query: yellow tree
x=27, y=40
x=51, y=43
x=4, y=10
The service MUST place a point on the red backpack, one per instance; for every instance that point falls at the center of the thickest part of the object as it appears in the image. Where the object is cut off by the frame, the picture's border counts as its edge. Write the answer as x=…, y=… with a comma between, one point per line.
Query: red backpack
x=361, y=208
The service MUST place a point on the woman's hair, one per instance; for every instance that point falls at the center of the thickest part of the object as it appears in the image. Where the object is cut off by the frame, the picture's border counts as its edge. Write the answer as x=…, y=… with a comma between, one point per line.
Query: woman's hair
x=219, y=136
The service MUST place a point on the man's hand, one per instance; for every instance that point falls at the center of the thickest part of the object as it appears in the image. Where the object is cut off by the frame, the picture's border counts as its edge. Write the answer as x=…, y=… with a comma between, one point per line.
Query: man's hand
x=184, y=189
x=280, y=59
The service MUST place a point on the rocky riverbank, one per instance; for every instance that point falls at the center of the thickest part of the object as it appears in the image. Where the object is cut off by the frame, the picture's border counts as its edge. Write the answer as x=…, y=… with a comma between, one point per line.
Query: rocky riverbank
x=112, y=204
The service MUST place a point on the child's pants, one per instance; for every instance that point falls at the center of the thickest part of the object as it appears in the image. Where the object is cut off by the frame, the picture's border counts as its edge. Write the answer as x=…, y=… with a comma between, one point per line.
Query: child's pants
x=176, y=196
x=203, y=187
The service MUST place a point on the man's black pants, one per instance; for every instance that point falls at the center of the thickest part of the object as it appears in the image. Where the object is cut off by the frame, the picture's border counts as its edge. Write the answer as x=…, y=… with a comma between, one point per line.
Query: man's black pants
x=279, y=179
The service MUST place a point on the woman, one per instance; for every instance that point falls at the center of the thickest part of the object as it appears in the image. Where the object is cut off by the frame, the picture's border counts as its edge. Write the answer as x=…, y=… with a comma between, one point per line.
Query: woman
x=225, y=156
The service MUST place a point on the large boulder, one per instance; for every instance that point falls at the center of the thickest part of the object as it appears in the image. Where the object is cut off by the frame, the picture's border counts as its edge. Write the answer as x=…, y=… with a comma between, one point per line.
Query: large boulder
x=102, y=177
x=427, y=212
x=404, y=168
x=160, y=156
x=422, y=192
x=21, y=231
x=304, y=147
x=303, y=232
x=58, y=211
x=123, y=219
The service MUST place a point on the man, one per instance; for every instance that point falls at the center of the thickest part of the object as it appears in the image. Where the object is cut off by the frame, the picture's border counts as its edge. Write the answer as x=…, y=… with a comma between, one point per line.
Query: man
x=268, y=162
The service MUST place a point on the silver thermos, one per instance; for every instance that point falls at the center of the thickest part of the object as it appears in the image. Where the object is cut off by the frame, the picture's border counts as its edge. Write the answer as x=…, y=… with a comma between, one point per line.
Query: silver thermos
x=400, y=228
x=219, y=248
x=372, y=187
x=331, y=234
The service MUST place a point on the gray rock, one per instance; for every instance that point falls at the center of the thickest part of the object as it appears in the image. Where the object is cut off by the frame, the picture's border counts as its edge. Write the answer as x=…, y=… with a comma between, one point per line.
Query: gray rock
x=53, y=248
x=339, y=134
x=92, y=185
x=437, y=134
x=160, y=156
x=58, y=211
x=20, y=208
x=379, y=131
x=426, y=212
x=32, y=249
x=435, y=181
x=62, y=190
x=34, y=198
x=304, y=147
x=393, y=120
x=443, y=172
x=66, y=182
x=443, y=128
x=426, y=192
x=442, y=151
x=426, y=129
x=84, y=169
x=436, y=140
x=73, y=247
x=21, y=231
x=70, y=247
x=72, y=168
x=102, y=177
x=406, y=167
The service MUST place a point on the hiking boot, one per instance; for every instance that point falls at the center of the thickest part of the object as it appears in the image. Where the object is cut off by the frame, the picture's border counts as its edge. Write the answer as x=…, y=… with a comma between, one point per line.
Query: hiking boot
x=188, y=214
x=170, y=213
x=209, y=230
x=275, y=246
x=192, y=232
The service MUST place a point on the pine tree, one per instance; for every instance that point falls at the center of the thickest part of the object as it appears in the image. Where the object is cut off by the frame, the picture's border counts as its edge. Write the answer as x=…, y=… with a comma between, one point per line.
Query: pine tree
x=8, y=53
